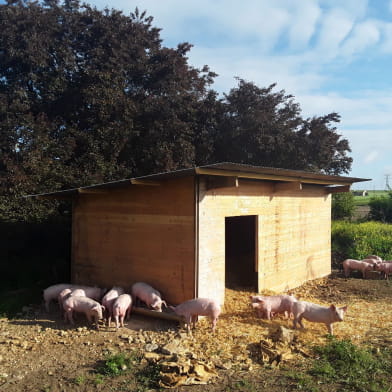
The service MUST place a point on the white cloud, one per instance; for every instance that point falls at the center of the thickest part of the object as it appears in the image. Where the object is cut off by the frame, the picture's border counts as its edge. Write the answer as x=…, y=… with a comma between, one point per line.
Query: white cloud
x=364, y=35
x=365, y=110
x=335, y=27
x=286, y=71
x=303, y=25
x=386, y=45
x=371, y=156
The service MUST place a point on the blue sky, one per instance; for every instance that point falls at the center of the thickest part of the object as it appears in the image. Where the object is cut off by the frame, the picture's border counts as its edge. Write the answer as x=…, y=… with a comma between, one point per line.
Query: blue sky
x=332, y=55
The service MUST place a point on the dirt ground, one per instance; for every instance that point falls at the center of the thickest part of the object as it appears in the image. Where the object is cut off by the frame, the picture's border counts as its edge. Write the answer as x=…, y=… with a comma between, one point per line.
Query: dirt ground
x=39, y=352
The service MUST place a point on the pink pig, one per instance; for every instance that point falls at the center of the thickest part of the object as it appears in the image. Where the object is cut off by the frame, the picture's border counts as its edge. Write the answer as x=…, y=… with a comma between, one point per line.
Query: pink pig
x=121, y=308
x=317, y=314
x=371, y=261
x=62, y=295
x=61, y=298
x=385, y=268
x=92, y=309
x=108, y=300
x=95, y=293
x=373, y=257
x=147, y=294
x=351, y=264
x=193, y=308
x=78, y=293
x=52, y=292
x=268, y=306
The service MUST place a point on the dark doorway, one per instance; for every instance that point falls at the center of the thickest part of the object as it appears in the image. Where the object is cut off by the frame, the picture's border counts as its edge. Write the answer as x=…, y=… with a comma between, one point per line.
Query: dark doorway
x=241, y=251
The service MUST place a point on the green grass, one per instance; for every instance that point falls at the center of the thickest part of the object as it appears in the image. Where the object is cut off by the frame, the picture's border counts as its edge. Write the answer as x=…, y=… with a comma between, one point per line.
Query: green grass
x=80, y=380
x=117, y=364
x=364, y=200
x=144, y=377
x=341, y=365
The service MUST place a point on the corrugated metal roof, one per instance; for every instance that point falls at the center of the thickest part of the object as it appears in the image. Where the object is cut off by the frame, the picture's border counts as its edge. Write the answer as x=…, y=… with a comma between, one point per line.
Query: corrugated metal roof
x=224, y=169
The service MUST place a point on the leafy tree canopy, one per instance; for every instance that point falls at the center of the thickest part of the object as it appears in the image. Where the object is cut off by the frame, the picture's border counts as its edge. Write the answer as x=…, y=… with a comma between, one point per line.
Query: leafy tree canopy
x=263, y=127
x=88, y=96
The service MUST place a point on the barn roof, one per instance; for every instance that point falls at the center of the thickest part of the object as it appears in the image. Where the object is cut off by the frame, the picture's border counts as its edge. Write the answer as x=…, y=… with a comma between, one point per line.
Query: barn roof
x=225, y=169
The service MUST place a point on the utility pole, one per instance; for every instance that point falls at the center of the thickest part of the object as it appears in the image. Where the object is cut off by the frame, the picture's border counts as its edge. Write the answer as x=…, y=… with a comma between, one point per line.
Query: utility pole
x=387, y=186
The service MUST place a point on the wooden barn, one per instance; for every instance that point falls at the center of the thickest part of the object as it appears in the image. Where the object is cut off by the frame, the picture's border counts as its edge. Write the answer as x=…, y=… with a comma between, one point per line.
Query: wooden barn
x=193, y=232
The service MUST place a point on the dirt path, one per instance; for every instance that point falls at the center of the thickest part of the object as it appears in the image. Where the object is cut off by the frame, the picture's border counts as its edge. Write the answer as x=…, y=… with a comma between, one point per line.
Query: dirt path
x=38, y=352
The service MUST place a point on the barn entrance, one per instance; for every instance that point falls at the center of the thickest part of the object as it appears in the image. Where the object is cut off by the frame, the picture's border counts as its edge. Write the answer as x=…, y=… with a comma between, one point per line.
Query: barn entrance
x=241, y=255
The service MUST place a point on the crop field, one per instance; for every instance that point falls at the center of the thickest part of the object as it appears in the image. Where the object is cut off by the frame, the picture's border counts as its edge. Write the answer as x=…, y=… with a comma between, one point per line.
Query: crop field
x=364, y=200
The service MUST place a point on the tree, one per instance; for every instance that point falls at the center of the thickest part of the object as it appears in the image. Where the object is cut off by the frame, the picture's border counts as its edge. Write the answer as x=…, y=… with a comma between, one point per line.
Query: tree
x=381, y=208
x=264, y=127
x=343, y=205
x=89, y=96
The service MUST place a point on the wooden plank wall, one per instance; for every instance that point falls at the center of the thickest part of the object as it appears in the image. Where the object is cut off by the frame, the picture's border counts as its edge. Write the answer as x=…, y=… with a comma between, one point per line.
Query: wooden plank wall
x=140, y=233
x=294, y=231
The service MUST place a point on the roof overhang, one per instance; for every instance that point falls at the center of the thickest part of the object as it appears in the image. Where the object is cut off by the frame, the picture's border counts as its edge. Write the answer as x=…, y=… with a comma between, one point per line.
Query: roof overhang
x=287, y=179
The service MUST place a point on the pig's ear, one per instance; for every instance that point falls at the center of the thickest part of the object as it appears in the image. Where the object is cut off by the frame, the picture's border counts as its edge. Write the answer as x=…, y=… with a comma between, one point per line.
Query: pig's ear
x=332, y=307
x=103, y=308
x=344, y=308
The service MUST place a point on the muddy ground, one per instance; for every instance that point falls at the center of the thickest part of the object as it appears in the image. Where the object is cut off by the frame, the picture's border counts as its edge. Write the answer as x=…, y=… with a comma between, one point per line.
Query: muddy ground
x=39, y=352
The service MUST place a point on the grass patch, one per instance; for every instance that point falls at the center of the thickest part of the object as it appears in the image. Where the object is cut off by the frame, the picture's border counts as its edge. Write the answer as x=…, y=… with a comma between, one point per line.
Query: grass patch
x=354, y=368
x=80, y=380
x=117, y=364
x=148, y=377
x=144, y=375
x=302, y=381
x=340, y=365
x=364, y=200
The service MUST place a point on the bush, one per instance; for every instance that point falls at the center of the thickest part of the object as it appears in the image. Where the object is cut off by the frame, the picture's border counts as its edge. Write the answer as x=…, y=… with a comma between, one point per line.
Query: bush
x=381, y=208
x=343, y=205
x=357, y=240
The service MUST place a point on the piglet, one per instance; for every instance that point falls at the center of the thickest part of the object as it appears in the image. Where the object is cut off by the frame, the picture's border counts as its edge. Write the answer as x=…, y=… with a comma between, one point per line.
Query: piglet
x=373, y=257
x=52, y=292
x=121, y=308
x=193, y=308
x=317, y=314
x=78, y=293
x=108, y=300
x=267, y=306
x=385, y=268
x=358, y=265
x=92, y=309
x=61, y=297
x=371, y=261
x=95, y=293
x=150, y=296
